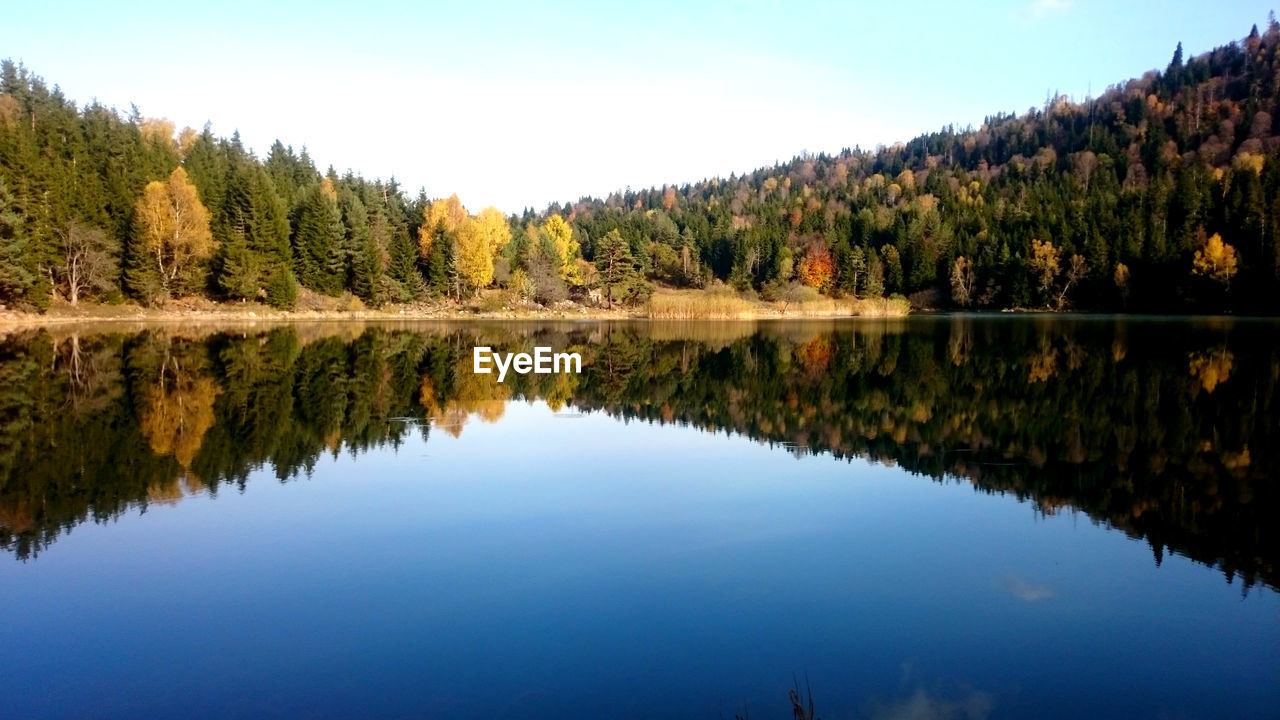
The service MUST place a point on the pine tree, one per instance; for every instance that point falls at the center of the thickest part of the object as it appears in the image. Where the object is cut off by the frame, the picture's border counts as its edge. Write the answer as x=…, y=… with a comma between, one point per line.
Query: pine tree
x=402, y=263
x=1175, y=65
x=282, y=289
x=874, y=284
x=239, y=273
x=318, y=239
x=270, y=242
x=617, y=268
x=253, y=230
x=283, y=167
x=438, y=264
x=17, y=274
x=892, y=268
x=207, y=164
x=365, y=261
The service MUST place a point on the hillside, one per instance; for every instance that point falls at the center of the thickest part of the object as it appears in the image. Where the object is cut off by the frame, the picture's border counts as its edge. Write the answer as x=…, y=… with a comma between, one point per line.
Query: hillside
x=1134, y=182
x=1161, y=195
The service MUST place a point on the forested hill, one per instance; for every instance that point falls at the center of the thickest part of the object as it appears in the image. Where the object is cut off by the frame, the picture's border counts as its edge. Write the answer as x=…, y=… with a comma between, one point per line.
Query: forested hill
x=1134, y=182
x=1162, y=194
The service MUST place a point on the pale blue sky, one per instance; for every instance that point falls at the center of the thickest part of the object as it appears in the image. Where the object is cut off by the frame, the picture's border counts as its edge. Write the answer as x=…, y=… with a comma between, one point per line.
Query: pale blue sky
x=516, y=105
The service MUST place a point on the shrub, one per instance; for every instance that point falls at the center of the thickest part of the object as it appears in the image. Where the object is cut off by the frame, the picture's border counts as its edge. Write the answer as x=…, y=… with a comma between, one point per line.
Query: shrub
x=350, y=303
x=548, y=287
x=282, y=290
x=489, y=301
x=520, y=284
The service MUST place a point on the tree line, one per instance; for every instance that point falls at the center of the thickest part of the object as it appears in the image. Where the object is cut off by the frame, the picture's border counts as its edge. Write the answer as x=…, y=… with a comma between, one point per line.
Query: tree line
x=93, y=204
x=96, y=204
x=1161, y=194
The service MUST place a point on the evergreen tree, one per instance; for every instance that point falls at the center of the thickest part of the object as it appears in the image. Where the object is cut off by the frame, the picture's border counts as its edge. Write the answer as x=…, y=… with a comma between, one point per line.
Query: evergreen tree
x=438, y=264
x=239, y=273
x=252, y=229
x=617, y=268
x=209, y=166
x=282, y=289
x=365, y=258
x=17, y=273
x=402, y=261
x=318, y=240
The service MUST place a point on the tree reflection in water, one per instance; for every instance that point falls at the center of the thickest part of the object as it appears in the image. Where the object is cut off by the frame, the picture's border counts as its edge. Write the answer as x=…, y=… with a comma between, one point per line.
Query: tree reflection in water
x=1166, y=431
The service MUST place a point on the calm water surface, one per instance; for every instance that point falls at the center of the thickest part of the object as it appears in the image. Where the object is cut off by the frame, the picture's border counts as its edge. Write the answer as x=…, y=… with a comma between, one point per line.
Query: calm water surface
x=932, y=518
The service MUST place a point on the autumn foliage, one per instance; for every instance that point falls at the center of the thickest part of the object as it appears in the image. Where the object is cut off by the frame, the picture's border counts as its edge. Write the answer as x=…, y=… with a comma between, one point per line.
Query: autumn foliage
x=1216, y=260
x=472, y=242
x=177, y=412
x=561, y=235
x=817, y=269
x=1171, y=176
x=172, y=230
x=1211, y=369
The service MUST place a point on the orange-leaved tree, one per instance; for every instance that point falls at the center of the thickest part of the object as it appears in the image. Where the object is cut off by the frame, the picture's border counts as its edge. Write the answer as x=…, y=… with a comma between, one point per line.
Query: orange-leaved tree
x=171, y=237
x=817, y=269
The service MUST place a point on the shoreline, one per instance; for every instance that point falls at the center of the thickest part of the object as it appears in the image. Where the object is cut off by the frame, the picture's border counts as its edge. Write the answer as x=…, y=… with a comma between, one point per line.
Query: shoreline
x=203, y=312
x=93, y=314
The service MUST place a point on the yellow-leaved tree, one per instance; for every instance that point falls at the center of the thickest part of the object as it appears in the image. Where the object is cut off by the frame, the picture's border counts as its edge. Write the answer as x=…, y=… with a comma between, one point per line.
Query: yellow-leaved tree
x=177, y=412
x=1212, y=368
x=156, y=131
x=326, y=187
x=187, y=139
x=477, y=394
x=441, y=218
x=1121, y=279
x=1044, y=264
x=494, y=227
x=1216, y=261
x=472, y=255
x=561, y=236
x=172, y=232
x=437, y=239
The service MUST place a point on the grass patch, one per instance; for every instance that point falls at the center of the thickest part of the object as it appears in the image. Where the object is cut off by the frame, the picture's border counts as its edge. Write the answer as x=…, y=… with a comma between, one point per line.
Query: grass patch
x=309, y=300
x=892, y=306
x=896, y=306
x=724, y=304
x=699, y=305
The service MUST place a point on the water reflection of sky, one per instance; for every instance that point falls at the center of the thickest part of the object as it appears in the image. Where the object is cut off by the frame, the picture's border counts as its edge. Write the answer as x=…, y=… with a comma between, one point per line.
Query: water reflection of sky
x=547, y=567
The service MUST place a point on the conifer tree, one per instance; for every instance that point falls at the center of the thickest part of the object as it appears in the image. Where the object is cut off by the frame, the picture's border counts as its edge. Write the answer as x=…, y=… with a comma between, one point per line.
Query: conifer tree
x=365, y=258
x=253, y=232
x=402, y=265
x=318, y=240
x=616, y=266
x=17, y=274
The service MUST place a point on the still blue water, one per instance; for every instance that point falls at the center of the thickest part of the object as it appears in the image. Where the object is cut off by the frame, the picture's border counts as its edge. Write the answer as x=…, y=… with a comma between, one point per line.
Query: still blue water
x=569, y=564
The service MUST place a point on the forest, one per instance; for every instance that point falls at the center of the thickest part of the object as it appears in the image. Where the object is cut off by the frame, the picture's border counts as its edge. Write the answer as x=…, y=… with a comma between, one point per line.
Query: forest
x=1160, y=195
x=1167, y=438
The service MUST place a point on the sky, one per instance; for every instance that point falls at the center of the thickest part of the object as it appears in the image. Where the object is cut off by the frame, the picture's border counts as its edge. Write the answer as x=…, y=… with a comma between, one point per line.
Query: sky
x=521, y=104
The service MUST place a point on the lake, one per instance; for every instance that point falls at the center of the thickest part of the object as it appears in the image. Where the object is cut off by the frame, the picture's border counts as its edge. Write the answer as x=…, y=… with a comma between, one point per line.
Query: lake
x=938, y=517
